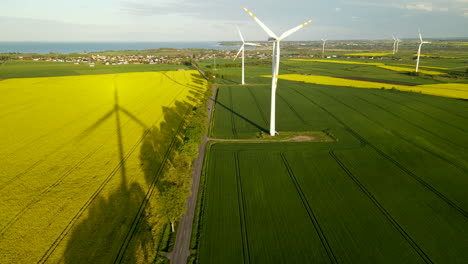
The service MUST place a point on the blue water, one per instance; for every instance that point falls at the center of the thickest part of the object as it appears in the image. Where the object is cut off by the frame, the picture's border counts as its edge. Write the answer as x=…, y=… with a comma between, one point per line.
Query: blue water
x=81, y=47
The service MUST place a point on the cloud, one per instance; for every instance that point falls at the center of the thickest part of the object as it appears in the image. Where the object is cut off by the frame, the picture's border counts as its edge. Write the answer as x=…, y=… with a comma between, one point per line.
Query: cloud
x=355, y=18
x=455, y=6
x=419, y=6
x=338, y=9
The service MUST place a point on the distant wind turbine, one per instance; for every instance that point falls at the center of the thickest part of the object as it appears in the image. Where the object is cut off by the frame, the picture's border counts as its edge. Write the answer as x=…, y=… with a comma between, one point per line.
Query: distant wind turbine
x=397, y=44
x=323, y=46
x=394, y=44
x=419, y=50
x=242, y=49
x=275, y=62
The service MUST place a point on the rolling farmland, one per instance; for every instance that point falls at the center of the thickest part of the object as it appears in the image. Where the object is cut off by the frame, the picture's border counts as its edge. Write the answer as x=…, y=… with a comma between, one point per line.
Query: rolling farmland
x=79, y=159
x=390, y=189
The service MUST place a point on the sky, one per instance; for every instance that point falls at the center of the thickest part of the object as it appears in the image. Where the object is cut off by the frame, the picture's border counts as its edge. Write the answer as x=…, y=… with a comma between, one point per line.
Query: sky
x=215, y=20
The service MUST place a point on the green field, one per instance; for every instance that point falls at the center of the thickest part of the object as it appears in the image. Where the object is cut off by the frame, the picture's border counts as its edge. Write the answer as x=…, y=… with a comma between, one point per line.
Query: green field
x=27, y=69
x=390, y=189
x=79, y=159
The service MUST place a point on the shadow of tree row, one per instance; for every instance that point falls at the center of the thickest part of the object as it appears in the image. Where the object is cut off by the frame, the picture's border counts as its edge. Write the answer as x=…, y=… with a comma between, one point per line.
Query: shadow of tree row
x=126, y=225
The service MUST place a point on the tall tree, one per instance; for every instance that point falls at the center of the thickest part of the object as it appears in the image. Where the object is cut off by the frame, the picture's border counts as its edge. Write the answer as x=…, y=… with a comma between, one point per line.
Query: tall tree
x=175, y=188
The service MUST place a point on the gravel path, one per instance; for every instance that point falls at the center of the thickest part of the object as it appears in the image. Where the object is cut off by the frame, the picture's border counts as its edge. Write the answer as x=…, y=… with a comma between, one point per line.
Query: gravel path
x=181, y=250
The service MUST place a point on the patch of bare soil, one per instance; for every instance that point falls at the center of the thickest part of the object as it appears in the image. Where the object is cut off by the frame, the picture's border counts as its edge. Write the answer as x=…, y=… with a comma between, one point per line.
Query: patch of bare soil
x=303, y=138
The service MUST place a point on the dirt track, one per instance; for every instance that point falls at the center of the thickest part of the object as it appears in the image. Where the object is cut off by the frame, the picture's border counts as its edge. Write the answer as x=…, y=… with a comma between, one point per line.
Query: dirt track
x=181, y=251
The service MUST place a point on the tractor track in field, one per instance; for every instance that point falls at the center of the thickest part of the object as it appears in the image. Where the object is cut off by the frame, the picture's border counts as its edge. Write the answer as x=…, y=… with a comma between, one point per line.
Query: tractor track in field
x=419, y=111
x=309, y=211
x=292, y=109
x=382, y=209
x=258, y=106
x=80, y=212
x=241, y=205
x=411, y=123
x=37, y=198
x=44, y=158
x=39, y=162
x=396, y=133
x=440, y=108
x=387, y=157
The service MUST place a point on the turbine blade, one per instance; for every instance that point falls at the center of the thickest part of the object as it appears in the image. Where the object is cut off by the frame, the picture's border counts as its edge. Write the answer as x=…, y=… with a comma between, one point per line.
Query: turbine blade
x=292, y=30
x=420, y=36
x=240, y=34
x=240, y=50
x=393, y=37
x=263, y=26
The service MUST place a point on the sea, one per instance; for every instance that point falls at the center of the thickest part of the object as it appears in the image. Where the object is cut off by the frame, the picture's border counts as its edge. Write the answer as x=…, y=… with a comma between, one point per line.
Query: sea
x=84, y=47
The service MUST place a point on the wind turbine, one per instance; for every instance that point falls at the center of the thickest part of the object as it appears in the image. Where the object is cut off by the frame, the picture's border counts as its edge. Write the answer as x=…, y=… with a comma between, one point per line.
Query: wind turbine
x=419, y=49
x=397, y=44
x=275, y=62
x=242, y=49
x=394, y=44
x=323, y=46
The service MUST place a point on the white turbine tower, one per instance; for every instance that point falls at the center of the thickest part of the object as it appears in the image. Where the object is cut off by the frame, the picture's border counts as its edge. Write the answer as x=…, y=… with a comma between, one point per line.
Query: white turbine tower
x=275, y=59
x=394, y=44
x=397, y=44
x=242, y=48
x=419, y=50
x=323, y=46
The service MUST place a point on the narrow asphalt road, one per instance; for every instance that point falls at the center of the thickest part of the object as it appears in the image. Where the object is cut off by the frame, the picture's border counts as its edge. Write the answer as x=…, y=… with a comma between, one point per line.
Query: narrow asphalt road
x=181, y=250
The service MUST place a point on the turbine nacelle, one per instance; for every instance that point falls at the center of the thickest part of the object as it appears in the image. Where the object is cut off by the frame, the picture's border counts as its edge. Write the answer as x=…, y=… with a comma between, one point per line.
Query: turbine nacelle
x=275, y=62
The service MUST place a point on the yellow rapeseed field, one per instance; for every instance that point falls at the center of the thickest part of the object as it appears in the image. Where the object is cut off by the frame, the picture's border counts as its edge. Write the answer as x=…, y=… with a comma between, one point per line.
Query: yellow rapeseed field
x=405, y=69
x=454, y=90
x=422, y=66
x=78, y=155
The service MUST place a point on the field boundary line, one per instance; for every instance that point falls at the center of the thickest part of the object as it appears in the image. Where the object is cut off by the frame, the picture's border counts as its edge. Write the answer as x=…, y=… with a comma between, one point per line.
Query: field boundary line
x=181, y=250
x=396, y=163
x=150, y=191
x=382, y=209
x=202, y=199
x=241, y=206
x=310, y=212
x=258, y=106
x=148, y=195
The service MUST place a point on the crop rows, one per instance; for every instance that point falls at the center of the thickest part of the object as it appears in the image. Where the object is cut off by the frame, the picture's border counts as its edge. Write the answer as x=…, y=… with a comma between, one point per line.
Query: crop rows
x=390, y=190
x=86, y=180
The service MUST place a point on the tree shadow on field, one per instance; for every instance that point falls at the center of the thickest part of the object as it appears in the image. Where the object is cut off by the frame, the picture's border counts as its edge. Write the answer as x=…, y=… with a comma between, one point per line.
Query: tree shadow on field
x=124, y=226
